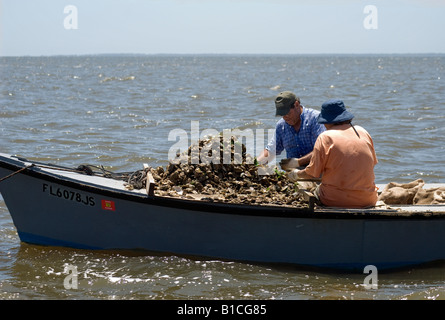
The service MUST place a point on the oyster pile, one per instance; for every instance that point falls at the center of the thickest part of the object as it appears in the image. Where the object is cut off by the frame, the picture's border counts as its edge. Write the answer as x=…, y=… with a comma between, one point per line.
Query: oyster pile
x=241, y=181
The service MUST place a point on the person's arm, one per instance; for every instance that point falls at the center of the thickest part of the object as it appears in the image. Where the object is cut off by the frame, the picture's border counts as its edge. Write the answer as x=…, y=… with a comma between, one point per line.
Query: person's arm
x=265, y=157
x=293, y=163
x=304, y=160
x=303, y=175
x=270, y=152
x=296, y=175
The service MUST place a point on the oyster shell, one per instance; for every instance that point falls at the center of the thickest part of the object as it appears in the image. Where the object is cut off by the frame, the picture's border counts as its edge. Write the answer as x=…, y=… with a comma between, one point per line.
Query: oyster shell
x=238, y=181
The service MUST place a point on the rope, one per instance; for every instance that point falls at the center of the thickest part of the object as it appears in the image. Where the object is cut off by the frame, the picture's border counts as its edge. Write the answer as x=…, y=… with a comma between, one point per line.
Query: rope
x=134, y=180
x=14, y=173
x=137, y=180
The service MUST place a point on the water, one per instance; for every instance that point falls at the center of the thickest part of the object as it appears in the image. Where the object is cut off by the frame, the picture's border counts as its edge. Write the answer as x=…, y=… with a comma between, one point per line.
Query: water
x=118, y=111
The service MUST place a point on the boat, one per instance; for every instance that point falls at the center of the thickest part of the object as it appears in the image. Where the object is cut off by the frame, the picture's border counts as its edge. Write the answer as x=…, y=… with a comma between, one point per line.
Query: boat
x=53, y=205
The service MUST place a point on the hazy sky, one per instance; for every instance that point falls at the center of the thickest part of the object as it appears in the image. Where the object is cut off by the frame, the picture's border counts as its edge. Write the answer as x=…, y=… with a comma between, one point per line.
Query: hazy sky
x=43, y=27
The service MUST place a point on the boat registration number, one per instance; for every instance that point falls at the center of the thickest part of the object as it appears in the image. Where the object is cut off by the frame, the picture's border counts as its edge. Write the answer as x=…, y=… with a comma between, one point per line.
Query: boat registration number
x=68, y=195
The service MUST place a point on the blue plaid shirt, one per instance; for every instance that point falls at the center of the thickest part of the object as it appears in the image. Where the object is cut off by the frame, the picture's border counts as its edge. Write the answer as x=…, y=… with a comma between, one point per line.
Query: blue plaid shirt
x=297, y=144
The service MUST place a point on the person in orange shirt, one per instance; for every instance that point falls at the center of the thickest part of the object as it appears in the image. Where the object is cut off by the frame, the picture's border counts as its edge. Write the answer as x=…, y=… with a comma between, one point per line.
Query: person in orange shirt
x=344, y=158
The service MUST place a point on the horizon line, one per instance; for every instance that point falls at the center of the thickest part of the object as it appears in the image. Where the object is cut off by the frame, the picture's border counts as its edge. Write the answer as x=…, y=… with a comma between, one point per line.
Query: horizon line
x=218, y=54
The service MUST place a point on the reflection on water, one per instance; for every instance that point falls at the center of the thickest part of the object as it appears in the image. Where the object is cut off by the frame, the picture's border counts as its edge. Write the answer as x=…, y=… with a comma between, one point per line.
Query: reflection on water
x=39, y=273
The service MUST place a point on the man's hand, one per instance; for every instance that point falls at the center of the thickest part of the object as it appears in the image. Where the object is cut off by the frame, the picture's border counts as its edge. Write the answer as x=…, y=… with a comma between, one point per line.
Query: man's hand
x=289, y=164
x=293, y=175
x=296, y=175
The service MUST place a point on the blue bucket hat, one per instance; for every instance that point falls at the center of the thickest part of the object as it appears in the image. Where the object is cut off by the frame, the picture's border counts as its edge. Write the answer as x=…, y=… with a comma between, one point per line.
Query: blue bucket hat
x=334, y=111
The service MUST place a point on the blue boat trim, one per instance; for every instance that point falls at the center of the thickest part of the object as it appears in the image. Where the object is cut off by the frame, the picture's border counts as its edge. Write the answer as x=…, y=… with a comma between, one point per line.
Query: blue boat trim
x=45, y=241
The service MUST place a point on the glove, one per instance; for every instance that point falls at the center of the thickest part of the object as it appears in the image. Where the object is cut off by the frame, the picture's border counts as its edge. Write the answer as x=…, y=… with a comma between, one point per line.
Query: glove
x=289, y=164
x=293, y=175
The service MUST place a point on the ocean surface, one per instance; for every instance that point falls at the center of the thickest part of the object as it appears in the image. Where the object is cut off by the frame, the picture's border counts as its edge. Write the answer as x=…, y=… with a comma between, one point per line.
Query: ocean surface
x=121, y=111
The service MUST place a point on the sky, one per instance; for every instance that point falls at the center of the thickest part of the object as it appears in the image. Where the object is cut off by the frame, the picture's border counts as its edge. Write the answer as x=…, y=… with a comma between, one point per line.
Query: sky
x=77, y=27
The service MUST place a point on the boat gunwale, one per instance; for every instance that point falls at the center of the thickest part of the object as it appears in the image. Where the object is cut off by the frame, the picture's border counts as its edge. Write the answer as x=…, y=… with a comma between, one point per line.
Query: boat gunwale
x=213, y=207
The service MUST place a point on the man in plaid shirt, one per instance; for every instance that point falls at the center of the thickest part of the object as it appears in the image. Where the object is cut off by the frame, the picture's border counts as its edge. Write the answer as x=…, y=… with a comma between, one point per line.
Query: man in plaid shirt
x=296, y=132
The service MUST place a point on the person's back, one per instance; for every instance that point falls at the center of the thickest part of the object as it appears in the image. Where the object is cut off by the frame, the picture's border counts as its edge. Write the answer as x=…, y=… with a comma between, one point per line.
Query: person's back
x=345, y=158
